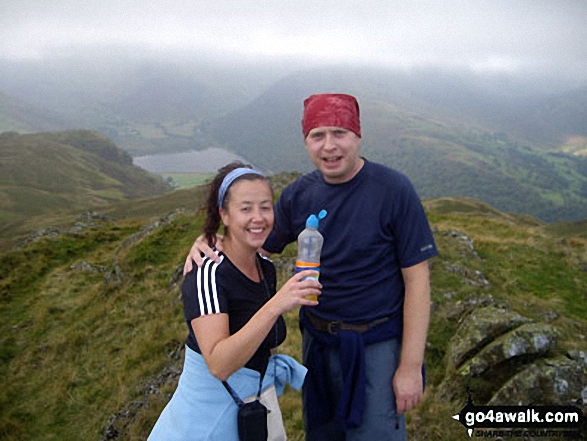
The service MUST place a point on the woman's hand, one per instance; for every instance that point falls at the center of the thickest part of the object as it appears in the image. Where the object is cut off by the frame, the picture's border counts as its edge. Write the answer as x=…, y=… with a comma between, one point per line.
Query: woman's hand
x=297, y=292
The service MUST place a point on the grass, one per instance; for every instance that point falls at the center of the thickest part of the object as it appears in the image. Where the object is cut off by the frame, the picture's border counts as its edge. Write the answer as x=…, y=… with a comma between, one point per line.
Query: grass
x=76, y=349
x=188, y=180
x=75, y=346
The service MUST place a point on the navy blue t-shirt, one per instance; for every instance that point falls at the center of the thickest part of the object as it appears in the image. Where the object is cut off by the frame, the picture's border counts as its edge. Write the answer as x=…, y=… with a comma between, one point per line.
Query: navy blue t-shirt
x=375, y=226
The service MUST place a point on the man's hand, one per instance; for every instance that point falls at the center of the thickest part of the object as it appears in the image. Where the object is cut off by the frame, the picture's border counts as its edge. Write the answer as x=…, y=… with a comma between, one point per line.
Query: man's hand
x=201, y=246
x=408, y=387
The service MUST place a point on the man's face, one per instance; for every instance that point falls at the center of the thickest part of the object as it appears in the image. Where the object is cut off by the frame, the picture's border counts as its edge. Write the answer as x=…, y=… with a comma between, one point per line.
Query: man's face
x=335, y=152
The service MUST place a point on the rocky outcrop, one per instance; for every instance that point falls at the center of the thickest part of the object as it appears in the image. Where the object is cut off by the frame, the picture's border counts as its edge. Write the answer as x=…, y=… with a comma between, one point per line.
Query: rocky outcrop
x=89, y=219
x=116, y=274
x=556, y=381
x=505, y=358
x=477, y=329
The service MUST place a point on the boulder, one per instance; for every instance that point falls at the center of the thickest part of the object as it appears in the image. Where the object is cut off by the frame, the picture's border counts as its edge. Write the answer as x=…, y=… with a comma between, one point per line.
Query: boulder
x=529, y=340
x=556, y=381
x=477, y=329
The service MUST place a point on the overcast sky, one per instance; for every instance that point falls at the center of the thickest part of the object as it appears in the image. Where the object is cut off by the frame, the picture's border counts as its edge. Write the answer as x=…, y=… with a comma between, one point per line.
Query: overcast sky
x=489, y=34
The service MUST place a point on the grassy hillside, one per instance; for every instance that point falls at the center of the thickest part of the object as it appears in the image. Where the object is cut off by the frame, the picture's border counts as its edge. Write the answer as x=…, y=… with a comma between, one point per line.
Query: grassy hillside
x=92, y=327
x=51, y=173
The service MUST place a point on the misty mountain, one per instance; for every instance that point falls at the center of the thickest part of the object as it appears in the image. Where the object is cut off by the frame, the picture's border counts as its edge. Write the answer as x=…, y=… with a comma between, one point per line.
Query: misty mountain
x=444, y=145
x=118, y=88
x=143, y=106
x=18, y=115
x=50, y=173
x=163, y=104
x=494, y=137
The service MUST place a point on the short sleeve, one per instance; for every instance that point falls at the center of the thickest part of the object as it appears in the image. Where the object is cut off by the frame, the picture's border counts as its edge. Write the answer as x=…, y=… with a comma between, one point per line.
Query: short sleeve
x=201, y=293
x=415, y=239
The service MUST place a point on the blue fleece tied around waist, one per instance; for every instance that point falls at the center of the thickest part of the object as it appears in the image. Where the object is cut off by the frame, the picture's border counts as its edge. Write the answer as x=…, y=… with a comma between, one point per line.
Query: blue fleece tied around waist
x=352, y=362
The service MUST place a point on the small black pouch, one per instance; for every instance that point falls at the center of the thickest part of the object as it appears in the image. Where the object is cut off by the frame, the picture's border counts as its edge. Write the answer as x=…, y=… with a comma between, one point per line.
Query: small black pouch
x=252, y=422
x=251, y=417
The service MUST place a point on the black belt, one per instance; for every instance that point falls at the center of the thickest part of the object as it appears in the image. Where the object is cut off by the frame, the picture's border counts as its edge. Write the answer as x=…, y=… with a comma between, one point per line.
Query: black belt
x=332, y=327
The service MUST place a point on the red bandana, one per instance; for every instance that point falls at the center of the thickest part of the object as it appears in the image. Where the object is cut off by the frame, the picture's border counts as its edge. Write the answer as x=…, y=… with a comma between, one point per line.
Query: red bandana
x=331, y=110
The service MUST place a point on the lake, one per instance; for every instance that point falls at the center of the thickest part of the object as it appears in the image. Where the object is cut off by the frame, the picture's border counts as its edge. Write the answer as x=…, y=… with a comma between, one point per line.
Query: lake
x=204, y=161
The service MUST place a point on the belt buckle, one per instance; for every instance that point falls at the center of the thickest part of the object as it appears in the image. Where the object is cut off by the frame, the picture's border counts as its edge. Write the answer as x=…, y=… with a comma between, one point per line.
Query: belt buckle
x=333, y=327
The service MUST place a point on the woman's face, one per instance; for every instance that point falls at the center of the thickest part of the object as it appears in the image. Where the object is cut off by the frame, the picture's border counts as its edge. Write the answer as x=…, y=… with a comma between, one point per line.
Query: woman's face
x=249, y=213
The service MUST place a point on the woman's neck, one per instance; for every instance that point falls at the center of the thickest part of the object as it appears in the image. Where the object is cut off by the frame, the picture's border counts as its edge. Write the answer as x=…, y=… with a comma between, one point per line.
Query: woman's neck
x=243, y=258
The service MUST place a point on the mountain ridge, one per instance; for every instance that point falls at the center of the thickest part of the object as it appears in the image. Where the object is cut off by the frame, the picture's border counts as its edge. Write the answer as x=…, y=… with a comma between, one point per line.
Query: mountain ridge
x=48, y=173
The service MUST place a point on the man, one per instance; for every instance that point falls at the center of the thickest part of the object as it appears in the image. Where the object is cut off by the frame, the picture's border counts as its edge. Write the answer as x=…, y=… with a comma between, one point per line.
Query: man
x=364, y=343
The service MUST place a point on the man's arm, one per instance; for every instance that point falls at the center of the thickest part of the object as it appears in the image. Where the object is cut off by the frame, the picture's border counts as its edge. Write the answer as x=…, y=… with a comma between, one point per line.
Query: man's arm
x=408, y=382
x=201, y=246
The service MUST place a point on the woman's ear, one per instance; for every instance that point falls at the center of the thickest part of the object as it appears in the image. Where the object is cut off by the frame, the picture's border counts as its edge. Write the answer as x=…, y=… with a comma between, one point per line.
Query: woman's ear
x=224, y=216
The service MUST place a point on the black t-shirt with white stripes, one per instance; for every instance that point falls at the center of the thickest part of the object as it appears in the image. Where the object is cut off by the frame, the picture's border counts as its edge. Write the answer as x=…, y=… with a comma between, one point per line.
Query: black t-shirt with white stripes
x=223, y=288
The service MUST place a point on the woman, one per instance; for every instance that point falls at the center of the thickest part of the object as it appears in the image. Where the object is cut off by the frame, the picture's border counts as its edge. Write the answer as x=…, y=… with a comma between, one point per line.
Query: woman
x=234, y=318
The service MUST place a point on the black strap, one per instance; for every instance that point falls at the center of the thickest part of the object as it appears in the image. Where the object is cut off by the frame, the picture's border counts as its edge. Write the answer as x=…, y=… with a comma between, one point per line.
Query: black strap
x=230, y=390
x=235, y=396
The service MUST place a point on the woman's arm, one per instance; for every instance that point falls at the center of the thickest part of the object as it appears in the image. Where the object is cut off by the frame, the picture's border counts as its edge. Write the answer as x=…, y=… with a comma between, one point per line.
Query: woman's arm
x=224, y=353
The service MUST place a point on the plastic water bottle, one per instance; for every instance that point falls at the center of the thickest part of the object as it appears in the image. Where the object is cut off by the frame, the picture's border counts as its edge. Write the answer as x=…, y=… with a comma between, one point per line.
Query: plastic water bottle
x=310, y=246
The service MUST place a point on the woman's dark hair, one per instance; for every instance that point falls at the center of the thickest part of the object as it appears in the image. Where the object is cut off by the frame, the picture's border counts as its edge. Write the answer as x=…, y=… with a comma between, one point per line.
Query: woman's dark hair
x=213, y=219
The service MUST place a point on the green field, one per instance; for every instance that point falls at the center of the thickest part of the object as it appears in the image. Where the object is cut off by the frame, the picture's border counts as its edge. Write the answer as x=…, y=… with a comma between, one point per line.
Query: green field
x=187, y=180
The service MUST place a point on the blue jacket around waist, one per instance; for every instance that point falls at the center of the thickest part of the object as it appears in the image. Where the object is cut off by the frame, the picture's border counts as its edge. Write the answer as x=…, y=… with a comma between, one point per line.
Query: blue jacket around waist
x=351, y=346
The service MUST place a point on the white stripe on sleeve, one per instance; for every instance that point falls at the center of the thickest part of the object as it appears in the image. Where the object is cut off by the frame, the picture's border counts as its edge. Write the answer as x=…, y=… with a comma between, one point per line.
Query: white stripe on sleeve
x=199, y=287
x=214, y=292
x=207, y=290
x=207, y=266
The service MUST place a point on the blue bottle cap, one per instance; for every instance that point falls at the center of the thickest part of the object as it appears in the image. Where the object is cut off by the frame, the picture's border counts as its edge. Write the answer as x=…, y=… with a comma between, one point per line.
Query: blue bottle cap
x=312, y=221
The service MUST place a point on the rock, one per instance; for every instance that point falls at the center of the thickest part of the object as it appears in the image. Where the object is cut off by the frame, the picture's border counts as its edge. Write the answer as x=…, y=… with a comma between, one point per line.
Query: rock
x=471, y=277
x=88, y=267
x=286, y=265
x=557, y=381
x=457, y=310
x=532, y=339
x=580, y=356
x=452, y=389
x=118, y=423
x=465, y=241
x=477, y=329
x=176, y=277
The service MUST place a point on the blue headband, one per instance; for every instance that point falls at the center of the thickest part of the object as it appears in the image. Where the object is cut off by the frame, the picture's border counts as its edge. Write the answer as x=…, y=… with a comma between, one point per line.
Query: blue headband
x=231, y=177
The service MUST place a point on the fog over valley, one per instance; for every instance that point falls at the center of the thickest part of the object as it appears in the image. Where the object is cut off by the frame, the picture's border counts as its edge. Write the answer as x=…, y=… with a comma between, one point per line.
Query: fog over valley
x=485, y=99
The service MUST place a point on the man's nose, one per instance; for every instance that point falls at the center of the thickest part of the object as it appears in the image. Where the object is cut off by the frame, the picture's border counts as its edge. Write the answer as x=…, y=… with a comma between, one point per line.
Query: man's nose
x=329, y=140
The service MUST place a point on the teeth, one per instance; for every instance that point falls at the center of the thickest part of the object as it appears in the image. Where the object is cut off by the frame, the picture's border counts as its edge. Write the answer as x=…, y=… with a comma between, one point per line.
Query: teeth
x=256, y=230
